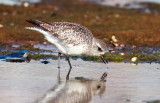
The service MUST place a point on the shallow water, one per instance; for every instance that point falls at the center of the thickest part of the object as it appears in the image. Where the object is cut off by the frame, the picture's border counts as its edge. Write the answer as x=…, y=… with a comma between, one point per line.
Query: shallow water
x=29, y=82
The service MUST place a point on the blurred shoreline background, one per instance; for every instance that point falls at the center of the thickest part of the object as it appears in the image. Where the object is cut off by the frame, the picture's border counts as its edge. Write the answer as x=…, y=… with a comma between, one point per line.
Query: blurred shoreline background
x=103, y=2
x=135, y=23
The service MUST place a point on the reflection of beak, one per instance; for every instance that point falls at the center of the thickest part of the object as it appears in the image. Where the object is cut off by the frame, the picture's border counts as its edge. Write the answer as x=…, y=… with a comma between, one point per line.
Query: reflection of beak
x=103, y=77
x=104, y=59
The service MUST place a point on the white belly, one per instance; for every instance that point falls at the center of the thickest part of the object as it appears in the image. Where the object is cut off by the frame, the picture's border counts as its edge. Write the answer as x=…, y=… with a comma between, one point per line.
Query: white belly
x=59, y=45
x=75, y=50
x=67, y=49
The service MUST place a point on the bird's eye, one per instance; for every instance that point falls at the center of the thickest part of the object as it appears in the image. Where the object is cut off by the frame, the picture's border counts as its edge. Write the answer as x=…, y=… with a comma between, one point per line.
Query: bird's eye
x=98, y=86
x=99, y=49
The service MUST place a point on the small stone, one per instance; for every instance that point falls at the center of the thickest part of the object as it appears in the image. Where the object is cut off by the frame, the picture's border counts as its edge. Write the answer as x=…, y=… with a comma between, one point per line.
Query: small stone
x=97, y=17
x=44, y=11
x=56, y=8
x=1, y=26
x=134, y=59
x=121, y=53
x=11, y=24
x=116, y=15
x=85, y=16
x=128, y=100
x=114, y=38
x=5, y=13
x=26, y=4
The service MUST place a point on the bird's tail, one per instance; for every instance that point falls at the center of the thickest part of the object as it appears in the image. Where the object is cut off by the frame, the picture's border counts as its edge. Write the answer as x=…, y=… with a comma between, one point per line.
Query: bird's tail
x=40, y=24
x=35, y=22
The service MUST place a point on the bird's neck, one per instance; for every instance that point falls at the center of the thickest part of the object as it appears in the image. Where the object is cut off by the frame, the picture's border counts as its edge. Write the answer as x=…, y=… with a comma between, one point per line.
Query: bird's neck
x=91, y=49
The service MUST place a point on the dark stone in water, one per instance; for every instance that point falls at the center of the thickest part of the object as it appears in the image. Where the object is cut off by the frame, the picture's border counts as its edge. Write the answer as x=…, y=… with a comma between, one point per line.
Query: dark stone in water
x=15, y=60
x=45, y=62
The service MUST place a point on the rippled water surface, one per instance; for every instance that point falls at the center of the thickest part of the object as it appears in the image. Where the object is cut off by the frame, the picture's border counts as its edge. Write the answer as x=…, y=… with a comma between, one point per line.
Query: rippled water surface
x=34, y=81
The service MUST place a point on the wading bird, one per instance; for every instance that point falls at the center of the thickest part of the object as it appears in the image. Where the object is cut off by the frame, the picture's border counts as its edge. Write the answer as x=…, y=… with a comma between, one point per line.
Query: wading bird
x=70, y=39
x=75, y=91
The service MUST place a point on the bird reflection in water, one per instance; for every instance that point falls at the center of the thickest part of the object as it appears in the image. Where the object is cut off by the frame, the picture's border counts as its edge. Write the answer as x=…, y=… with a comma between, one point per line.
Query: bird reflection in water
x=78, y=90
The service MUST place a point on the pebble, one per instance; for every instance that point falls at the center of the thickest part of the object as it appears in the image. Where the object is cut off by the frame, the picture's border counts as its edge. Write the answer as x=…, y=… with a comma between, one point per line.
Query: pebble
x=26, y=4
x=134, y=59
x=1, y=26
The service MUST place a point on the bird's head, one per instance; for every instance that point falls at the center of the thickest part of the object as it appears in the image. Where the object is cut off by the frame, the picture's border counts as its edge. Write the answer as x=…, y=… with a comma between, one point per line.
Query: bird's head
x=98, y=87
x=99, y=49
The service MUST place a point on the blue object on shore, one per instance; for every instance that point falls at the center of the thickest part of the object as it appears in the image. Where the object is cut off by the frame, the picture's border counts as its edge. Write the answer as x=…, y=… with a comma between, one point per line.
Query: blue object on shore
x=14, y=55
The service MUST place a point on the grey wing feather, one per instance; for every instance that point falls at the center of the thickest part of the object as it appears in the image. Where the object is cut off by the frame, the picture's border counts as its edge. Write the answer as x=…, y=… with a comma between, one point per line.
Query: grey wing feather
x=70, y=33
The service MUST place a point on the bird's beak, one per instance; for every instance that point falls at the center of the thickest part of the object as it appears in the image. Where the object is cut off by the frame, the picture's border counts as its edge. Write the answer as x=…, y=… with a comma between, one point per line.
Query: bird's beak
x=104, y=59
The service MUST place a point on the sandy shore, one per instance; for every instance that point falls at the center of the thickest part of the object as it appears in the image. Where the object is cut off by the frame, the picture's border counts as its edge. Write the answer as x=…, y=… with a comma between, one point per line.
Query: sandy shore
x=28, y=82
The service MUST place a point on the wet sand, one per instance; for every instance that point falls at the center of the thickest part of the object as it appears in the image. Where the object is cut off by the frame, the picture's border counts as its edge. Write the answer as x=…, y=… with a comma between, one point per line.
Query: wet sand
x=28, y=82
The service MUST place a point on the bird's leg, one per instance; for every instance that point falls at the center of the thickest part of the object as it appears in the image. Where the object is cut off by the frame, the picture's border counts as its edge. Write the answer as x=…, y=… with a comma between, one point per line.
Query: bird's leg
x=67, y=58
x=58, y=76
x=59, y=57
